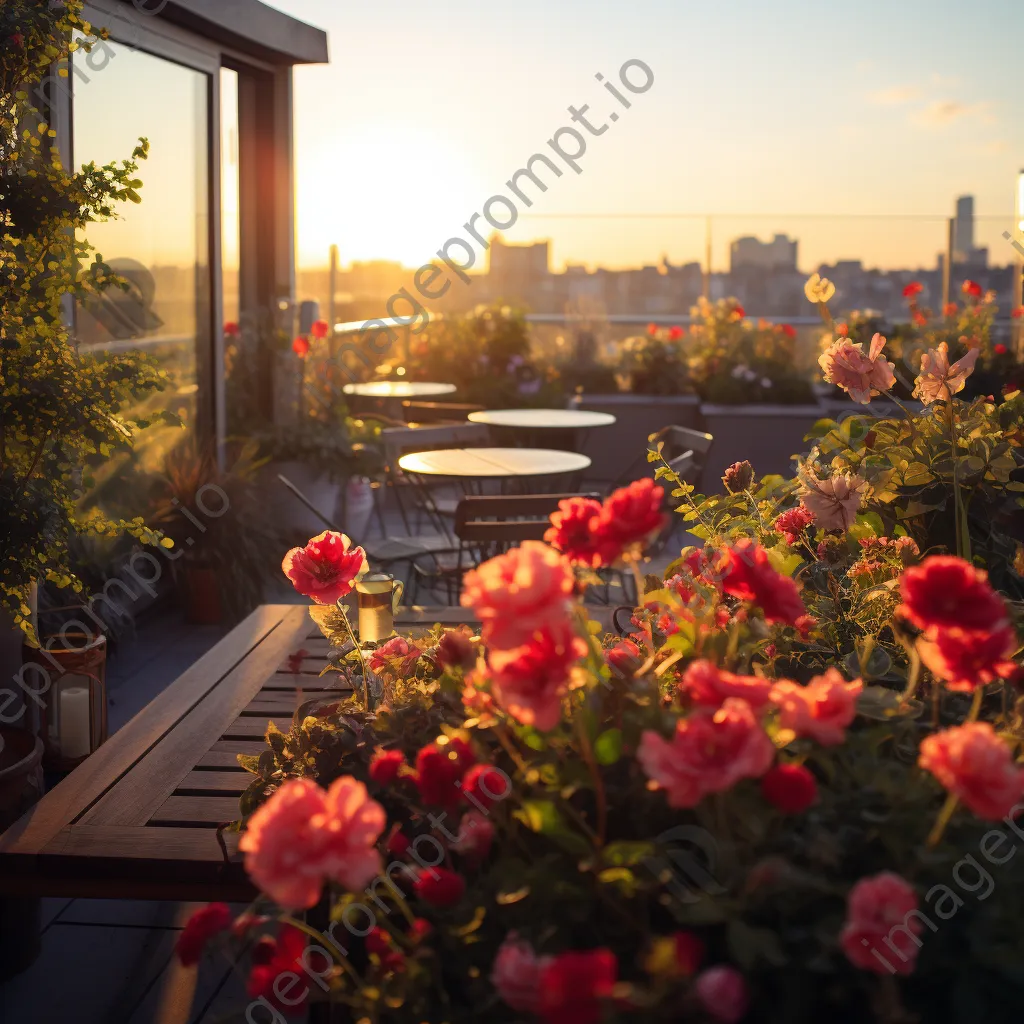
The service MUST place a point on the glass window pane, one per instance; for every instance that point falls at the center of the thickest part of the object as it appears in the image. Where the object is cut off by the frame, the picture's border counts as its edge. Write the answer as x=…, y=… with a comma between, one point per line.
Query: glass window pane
x=231, y=242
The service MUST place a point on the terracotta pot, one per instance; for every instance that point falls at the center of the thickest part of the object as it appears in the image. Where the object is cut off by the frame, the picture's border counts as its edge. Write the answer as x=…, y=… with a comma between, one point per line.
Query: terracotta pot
x=200, y=591
x=21, y=785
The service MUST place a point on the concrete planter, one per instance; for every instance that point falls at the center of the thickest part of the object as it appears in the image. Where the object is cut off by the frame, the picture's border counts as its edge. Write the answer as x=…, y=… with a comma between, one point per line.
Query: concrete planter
x=767, y=436
x=614, y=450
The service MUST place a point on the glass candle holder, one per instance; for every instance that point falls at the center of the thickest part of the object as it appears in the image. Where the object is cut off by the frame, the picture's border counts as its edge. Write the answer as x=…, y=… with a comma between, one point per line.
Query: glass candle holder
x=377, y=598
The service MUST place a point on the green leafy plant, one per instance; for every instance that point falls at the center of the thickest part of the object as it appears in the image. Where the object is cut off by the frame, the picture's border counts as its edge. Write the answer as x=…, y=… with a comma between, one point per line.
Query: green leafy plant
x=60, y=410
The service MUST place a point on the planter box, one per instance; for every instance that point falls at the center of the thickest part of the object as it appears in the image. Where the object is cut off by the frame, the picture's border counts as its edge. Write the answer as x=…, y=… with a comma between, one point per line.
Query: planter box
x=616, y=449
x=767, y=436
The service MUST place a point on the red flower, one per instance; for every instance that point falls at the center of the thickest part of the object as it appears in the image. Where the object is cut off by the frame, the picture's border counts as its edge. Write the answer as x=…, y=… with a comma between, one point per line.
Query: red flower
x=272, y=958
x=1017, y=313
x=822, y=709
x=326, y=568
x=398, y=843
x=440, y=887
x=484, y=786
x=456, y=649
x=971, y=288
x=295, y=660
x=384, y=766
x=574, y=532
x=475, y=836
x=689, y=952
x=946, y=592
x=675, y=333
x=320, y=329
x=709, y=686
x=920, y=320
x=631, y=514
x=842, y=330
x=739, y=312
x=300, y=346
x=738, y=477
x=17, y=40
x=880, y=919
x=231, y=329
x=748, y=574
x=974, y=764
x=574, y=986
x=965, y=659
x=789, y=330
x=652, y=329
x=793, y=522
x=378, y=942
x=202, y=926
x=439, y=768
x=950, y=309
x=723, y=993
x=912, y=289
x=396, y=654
x=1000, y=350
x=624, y=657
x=789, y=787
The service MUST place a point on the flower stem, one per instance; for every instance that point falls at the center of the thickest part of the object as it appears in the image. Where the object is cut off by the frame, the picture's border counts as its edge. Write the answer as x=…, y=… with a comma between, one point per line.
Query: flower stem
x=595, y=774
x=942, y=820
x=359, y=651
x=979, y=695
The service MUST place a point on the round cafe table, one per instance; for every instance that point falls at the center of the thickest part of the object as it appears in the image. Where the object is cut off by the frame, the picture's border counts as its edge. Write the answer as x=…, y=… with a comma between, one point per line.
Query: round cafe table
x=384, y=389
x=565, y=429
x=493, y=463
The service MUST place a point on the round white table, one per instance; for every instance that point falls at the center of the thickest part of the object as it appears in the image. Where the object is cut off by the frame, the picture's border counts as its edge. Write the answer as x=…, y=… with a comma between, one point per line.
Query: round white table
x=543, y=419
x=493, y=463
x=399, y=389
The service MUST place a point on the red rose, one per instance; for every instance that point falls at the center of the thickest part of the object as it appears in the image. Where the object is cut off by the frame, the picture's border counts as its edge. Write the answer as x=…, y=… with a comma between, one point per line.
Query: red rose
x=440, y=887
x=946, y=592
x=300, y=346
x=456, y=649
x=912, y=289
x=326, y=568
x=676, y=333
x=574, y=987
x=484, y=786
x=747, y=573
x=709, y=686
x=880, y=919
x=631, y=514
x=1000, y=350
x=624, y=657
x=574, y=532
x=971, y=288
x=439, y=768
x=384, y=766
x=965, y=659
x=320, y=329
x=789, y=787
x=273, y=958
x=202, y=926
x=231, y=329
x=793, y=522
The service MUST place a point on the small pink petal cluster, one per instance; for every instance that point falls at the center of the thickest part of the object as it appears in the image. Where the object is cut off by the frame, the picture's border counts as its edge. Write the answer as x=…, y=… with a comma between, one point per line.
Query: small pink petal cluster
x=860, y=375
x=792, y=523
x=594, y=534
x=881, y=925
x=396, y=653
x=833, y=501
x=821, y=710
x=976, y=766
x=939, y=380
x=303, y=836
x=523, y=600
x=326, y=568
x=709, y=686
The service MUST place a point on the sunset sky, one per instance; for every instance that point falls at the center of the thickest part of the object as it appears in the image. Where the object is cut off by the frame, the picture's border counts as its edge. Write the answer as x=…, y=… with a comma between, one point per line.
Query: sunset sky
x=794, y=107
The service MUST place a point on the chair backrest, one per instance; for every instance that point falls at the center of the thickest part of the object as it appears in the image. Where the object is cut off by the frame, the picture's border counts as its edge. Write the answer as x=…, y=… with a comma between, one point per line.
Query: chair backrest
x=437, y=412
x=506, y=519
x=685, y=449
x=399, y=441
x=305, y=501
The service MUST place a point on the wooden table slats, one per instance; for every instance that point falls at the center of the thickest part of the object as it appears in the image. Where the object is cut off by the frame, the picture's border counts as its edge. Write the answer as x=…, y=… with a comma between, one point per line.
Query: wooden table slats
x=139, y=819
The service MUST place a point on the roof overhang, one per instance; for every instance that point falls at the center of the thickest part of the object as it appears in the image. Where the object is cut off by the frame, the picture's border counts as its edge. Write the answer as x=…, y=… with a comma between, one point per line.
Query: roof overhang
x=247, y=25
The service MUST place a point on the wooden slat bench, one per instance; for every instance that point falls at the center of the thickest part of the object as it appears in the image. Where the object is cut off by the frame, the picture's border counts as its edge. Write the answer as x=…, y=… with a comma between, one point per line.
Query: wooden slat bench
x=138, y=819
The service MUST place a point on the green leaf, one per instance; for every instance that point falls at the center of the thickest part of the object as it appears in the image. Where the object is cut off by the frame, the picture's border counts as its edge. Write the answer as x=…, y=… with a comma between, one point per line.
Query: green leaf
x=627, y=853
x=608, y=747
x=544, y=818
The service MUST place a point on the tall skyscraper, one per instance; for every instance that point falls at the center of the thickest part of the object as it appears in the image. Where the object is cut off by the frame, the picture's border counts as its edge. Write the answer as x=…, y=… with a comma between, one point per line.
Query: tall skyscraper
x=963, y=230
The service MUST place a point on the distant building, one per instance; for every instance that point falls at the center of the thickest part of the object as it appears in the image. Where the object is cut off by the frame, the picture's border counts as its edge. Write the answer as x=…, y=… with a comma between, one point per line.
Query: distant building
x=515, y=270
x=964, y=250
x=750, y=252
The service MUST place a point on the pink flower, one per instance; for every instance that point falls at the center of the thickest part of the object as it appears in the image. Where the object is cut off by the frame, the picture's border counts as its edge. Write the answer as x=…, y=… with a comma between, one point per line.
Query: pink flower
x=709, y=686
x=574, y=532
x=822, y=709
x=302, y=836
x=747, y=573
x=880, y=918
x=624, y=658
x=965, y=659
x=974, y=764
x=938, y=379
x=723, y=993
x=793, y=522
x=388, y=654
x=861, y=376
x=710, y=751
x=475, y=836
x=630, y=515
x=517, y=593
x=516, y=974
x=529, y=681
x=946, y=592
x=833, y=501
x=326, y=568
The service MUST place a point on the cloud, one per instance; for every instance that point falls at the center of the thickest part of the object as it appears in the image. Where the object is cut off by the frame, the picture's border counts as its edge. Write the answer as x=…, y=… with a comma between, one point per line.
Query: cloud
x=895, y=95
x=997, y=147
x=939, y=113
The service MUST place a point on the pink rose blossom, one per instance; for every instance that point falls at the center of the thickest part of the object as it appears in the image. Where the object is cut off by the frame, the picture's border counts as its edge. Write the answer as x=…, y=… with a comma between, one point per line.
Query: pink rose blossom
x=708, y=685
x=303, y=835
x=723, y=993
x=475, y=836
x=861, y=376
x=326, y=567
x=938, y=380
x=516, y=974
x=710, y=751
x=833, y=501
x=395, y=648
x=974, y=764
x=880, y=917
x=820, y=710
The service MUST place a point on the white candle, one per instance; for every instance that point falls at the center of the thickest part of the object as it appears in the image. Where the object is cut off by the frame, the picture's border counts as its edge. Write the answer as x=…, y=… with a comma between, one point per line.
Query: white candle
x=75, y=716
